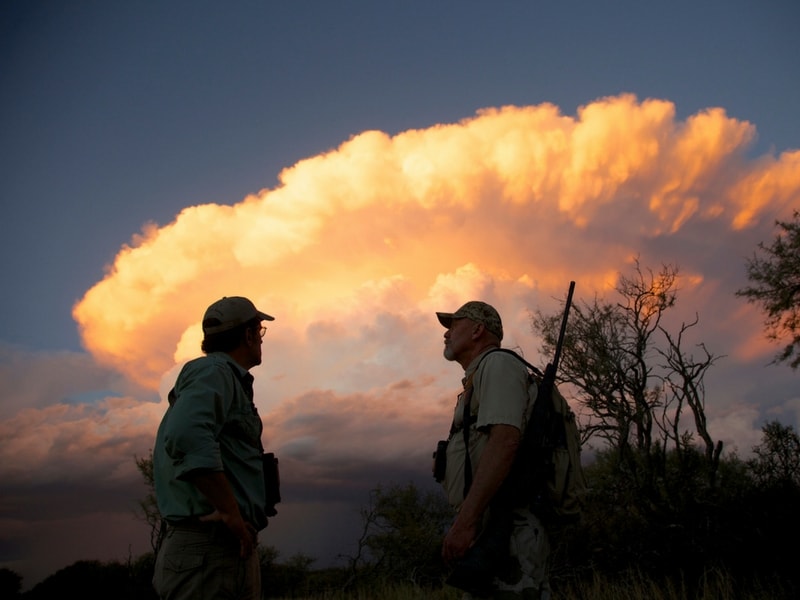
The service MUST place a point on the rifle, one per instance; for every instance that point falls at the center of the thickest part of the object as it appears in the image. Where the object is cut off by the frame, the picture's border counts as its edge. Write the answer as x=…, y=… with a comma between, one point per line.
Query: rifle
x=549, y=379
x=545, y=430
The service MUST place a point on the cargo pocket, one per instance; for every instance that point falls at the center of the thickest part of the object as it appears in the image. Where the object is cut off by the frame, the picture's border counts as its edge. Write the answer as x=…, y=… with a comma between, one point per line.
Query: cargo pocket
x=179, y=564
x=174, y=572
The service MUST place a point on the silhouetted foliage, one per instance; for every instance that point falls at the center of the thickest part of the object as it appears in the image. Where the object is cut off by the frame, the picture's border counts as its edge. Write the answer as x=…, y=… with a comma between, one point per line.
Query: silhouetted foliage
x=777, y=459
x=670, y=531
x=677, y=526
x=775, y=286
x=286, y=579
x=93, y=580
x=10, y=583
x=402, y=535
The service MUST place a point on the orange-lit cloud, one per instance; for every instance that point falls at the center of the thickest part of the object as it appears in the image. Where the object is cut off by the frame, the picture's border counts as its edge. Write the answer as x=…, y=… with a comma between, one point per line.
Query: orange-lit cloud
x=522, y=193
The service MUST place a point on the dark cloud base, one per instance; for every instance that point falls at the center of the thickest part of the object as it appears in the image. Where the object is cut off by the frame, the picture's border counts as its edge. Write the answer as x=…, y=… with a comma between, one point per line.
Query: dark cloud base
x=89, y=520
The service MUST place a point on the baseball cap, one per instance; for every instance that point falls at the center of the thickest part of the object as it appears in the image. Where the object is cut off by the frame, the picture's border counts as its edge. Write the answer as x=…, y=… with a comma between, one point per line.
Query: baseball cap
x=478, y=311
x=229, y=312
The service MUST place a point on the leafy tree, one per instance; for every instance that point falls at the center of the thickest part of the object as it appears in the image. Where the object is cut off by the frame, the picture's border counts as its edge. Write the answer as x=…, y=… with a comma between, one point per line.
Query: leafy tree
x=777, y=458
x=679, y=528
x=775, y=285
x=287, y=579
x=402, y=535
x=770, y=507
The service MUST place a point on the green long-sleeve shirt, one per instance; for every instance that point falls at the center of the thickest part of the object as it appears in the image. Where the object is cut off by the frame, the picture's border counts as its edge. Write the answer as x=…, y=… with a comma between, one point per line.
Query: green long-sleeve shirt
x=211, y=423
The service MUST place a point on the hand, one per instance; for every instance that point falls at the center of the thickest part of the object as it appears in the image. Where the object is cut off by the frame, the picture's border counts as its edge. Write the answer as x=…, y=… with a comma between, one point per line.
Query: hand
x=248, y=543
x=458, y=540
x=244, y=531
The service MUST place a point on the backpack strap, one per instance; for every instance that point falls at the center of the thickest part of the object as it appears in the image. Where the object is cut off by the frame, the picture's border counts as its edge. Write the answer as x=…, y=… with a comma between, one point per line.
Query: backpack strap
x=466, y=423
x=467, y=419
x=535, y=370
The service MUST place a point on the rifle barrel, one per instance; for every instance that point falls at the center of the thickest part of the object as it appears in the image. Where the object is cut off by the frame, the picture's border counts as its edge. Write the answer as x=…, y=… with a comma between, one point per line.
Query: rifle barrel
x=561, y=333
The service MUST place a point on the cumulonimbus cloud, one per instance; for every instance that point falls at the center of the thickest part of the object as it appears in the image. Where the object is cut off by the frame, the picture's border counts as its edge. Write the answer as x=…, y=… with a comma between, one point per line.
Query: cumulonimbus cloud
x=521, y=192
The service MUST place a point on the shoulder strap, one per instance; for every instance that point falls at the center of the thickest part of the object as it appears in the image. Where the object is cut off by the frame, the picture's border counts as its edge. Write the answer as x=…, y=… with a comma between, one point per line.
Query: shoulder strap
x=535, y=370
x=466, y=420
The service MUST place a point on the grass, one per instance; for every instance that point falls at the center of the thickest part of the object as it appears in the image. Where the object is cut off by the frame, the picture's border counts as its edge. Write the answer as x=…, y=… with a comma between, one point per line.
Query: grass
x=714, y=585
x=385, y=592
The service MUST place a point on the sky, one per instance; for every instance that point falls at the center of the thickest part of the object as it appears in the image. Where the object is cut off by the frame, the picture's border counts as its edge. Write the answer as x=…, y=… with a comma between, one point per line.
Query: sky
x=354, y=167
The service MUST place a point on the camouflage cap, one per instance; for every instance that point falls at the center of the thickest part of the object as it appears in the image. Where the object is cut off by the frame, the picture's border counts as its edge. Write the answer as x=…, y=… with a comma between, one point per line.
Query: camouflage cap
x=478, y=311
x=230, y=312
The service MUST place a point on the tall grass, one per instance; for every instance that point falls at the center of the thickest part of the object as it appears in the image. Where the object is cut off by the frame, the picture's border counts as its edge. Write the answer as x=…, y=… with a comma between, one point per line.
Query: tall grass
x=714, y=585
x=387, y=591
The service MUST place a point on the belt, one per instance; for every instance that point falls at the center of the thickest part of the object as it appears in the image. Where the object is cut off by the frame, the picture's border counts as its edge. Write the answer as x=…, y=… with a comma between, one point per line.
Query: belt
x=195, y=524
x=211, y=530
x=191, y=523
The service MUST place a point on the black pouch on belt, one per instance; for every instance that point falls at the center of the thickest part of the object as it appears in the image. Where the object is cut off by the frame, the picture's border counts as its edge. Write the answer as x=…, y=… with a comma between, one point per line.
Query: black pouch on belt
x=272, y=483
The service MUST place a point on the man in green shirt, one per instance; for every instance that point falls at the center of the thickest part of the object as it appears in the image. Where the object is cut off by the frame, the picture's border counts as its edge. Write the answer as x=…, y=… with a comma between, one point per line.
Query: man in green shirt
x=207, y=464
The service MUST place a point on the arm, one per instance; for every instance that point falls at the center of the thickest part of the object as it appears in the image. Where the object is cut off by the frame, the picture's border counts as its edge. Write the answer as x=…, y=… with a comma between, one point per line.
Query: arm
x=494, y=466
x=215, y=487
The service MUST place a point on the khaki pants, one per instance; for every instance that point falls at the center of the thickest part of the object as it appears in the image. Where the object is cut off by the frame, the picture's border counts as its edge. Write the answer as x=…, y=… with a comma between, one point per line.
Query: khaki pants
x=201, y=560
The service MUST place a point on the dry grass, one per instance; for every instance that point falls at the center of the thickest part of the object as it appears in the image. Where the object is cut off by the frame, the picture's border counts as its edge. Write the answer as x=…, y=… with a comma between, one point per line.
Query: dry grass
x=714, y=586
x=387, y=592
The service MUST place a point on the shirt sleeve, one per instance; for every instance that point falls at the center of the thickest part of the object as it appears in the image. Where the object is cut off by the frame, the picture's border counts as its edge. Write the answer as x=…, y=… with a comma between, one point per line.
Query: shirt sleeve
x=202, y=402
x=501, y=387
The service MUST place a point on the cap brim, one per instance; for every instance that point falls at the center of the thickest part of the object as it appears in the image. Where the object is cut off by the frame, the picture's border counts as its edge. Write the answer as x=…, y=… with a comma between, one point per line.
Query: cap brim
x=264, y=316
x=445, y=319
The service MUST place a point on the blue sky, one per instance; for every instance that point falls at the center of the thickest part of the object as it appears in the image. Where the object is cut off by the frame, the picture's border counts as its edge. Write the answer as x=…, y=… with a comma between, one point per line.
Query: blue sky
x=117, y=116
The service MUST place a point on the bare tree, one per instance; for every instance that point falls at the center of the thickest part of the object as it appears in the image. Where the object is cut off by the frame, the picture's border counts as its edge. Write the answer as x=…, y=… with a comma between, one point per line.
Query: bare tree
x=148, y=507
x=629, y=373
x=607, y=357
x=369, y=516
x=683, y=379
